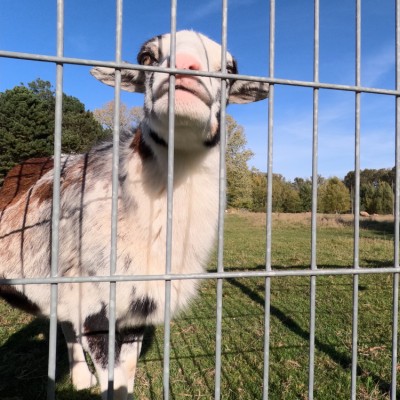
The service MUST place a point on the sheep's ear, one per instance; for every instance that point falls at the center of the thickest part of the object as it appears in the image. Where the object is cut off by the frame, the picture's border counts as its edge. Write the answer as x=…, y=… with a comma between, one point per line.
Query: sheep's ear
x=242, y=92
x=131, y=81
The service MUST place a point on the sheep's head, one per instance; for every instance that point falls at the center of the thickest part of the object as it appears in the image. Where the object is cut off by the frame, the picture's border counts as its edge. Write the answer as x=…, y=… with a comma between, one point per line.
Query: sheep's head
x=197, y=99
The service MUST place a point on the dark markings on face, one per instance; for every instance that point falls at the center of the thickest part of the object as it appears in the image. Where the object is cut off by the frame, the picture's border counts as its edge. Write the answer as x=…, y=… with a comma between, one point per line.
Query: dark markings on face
x=150, y=78
x=150, y=47
x=17, y=299
x=130, y=335
x=214, y=141
x=96, y=332
x=232, y=67
x=143, y=306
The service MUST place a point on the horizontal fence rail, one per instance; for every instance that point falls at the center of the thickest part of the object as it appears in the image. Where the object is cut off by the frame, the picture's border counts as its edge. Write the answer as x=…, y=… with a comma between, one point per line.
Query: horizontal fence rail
x=205, y=275
x=175, y=71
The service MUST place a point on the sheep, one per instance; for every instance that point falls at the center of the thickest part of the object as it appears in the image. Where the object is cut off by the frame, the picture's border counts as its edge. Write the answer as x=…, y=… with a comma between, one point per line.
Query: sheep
x=85, y=220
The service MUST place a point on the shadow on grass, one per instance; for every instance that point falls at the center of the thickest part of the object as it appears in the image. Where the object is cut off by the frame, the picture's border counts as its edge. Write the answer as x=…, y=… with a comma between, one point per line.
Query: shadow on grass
x=340, y=358
x=378, y=227
x=24, y=364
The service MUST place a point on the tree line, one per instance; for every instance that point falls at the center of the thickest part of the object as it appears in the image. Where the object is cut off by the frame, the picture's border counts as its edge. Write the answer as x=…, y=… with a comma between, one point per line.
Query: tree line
x=27, y=128
x=333, y=195
x=246, y=188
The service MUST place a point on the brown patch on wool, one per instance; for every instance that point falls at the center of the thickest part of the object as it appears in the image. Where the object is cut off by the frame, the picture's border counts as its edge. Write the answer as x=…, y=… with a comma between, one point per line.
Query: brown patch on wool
x=73, y=175
x=138, y=145
x=80, y=175
x=44, y=192
x=22, y=178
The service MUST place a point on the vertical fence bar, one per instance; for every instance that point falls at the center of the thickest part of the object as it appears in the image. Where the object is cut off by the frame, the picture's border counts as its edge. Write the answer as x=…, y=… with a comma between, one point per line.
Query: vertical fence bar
x=313, y=279
x=268, y=258
x=51, y=385
x=114, y=207
x=396, y=276
x=170, y=200
x=221, y=210
x=356, y=208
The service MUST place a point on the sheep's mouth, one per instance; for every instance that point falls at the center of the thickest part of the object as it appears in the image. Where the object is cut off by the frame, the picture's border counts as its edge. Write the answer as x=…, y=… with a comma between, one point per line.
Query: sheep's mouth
x=189, y=85
x=189, y=90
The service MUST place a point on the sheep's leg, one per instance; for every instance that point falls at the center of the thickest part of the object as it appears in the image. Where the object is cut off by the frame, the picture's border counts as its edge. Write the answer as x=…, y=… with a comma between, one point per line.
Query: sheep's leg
x=96, y=343
x=81, y=376
x=130, y=351
x=127, y=350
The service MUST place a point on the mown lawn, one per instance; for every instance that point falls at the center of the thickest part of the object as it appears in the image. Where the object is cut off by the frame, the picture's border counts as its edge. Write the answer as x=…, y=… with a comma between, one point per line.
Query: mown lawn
x=24, y=341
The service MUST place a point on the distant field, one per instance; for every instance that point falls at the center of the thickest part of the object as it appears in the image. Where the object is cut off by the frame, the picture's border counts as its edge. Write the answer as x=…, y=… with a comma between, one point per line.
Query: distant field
x=23, y=341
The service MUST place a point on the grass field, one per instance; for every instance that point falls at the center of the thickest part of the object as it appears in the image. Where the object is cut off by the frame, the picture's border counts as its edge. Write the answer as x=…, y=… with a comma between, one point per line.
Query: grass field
x=24, y=341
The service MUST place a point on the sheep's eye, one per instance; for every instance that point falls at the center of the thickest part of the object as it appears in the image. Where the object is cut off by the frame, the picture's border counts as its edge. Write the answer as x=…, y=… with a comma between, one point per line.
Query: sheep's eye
x=231, y=69
x=147, y=59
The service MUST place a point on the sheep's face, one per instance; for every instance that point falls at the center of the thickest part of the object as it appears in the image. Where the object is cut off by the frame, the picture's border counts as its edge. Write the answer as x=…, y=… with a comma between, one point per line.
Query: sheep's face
x=197, y=99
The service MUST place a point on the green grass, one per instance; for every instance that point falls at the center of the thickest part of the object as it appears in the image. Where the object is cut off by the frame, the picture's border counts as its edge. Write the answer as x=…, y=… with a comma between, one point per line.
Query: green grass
x=24, y=341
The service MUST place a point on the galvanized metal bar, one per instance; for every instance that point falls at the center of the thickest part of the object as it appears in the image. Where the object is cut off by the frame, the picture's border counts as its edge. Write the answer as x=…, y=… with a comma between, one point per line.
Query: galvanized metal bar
x=51, y=383
x=313, y=279
x=379, y=270
x=222, y=204
x=268, y=257
x=356, y=205
x=175, y=71
x=114, y=201
x=170, y=191
x=396, y=276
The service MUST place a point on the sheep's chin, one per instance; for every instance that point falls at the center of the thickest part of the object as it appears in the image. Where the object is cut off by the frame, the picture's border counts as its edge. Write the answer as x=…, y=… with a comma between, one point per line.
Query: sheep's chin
x=190, y=112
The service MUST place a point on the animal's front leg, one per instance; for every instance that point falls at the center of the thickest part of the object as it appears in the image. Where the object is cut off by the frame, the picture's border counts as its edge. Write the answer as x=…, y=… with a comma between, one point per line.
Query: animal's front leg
x=96, y=339
x=127, y=351
x=97, y=344
x=81, y=376
x=131, y=344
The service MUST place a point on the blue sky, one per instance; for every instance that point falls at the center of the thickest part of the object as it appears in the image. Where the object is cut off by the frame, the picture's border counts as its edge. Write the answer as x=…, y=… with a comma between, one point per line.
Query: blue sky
x=29, y=26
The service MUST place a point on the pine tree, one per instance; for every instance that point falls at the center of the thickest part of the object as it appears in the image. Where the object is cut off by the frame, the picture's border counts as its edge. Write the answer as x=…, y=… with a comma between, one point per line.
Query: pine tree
x=27, y=115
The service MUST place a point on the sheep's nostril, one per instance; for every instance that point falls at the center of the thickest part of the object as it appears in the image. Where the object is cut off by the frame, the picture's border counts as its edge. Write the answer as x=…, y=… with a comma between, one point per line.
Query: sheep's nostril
x=186, y=61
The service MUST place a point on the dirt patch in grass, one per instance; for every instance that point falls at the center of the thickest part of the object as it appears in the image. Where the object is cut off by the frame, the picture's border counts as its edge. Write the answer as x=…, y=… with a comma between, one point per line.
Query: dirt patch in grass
x=328, y=220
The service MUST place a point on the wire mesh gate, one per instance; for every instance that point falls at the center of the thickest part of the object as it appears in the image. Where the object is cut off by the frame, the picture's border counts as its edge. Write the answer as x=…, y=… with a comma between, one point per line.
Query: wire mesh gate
x=269, y=273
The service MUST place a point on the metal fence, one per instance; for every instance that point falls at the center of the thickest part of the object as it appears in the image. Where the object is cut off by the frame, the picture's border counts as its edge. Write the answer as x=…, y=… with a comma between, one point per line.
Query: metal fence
x=269, y=273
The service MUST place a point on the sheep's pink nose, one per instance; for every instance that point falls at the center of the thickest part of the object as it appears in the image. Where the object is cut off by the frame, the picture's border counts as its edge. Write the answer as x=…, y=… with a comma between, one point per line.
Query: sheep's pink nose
x=186, y=61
